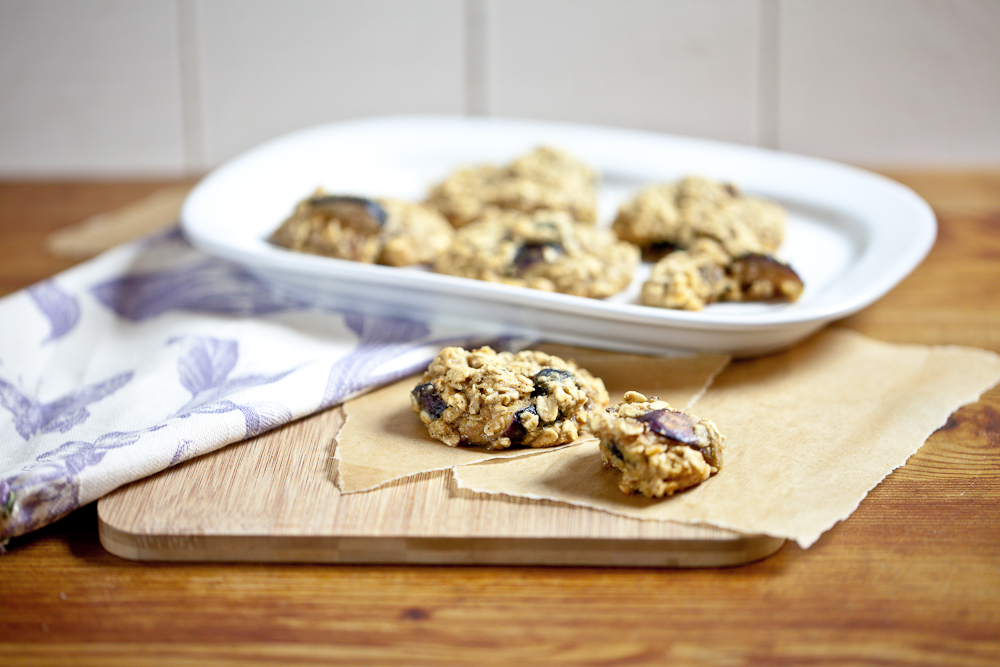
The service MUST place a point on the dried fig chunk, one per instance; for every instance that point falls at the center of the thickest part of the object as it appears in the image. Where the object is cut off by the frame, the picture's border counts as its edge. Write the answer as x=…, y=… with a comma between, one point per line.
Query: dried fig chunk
x=656, y=251
x=761, y=277
x=547, y=378
x=426, y=399
x=530, y=254
x=671, y=424
x=523, y=420
x=364, y=215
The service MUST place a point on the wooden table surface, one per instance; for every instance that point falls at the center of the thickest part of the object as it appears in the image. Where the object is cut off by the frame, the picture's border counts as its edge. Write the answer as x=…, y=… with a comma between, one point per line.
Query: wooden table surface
x=911, y=578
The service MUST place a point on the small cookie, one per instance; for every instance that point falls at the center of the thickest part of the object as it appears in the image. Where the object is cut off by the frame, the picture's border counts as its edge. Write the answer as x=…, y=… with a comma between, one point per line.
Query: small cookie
x=499, y=400
x=703, y=274
x=546, y=178
x=688, y=279
x=658, y=450
x=675, y=215
x=546, y=250
x=382, y=231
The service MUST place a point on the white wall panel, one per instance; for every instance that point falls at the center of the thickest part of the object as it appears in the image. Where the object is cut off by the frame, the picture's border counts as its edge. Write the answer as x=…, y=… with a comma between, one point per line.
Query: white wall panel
x=681, y=67
x=271, y=67
x=118, y=87
x=89, y=86
x=890, y=82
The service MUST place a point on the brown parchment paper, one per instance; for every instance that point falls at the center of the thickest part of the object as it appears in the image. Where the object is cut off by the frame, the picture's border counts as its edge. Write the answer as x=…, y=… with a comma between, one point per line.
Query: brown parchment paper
x=382, y=439
x=808, y=433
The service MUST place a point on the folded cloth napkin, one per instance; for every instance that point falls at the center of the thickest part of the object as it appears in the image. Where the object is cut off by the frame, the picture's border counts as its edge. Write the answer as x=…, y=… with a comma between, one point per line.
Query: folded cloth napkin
x=153, y=353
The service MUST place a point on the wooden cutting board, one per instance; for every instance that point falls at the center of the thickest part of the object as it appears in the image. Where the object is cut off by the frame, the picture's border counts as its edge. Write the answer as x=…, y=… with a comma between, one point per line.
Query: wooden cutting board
x=273, y=499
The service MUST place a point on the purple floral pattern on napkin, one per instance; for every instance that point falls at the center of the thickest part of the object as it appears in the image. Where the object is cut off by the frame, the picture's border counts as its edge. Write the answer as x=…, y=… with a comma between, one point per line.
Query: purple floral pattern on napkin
x=202, y=286
x=33, y=416
x=61, y=309
x=156, y=297
x=49, y=487
x=204, y=367
x=380, y=339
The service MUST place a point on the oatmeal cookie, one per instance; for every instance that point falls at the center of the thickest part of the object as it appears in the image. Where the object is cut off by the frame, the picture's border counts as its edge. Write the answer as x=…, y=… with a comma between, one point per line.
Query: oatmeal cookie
x=675, y=215
x=499, y=400
x=704, y=273
x=688, y=279
x=546, y=178
x=546, y=250
x=658, y=450
x=382, y=231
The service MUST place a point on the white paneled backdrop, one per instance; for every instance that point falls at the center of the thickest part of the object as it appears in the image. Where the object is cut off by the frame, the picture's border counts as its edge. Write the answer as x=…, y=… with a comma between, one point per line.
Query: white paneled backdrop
x=174, y=87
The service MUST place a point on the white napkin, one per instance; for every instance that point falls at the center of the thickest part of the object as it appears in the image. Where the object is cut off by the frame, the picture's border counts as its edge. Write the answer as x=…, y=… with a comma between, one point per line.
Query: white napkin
x=154, y=353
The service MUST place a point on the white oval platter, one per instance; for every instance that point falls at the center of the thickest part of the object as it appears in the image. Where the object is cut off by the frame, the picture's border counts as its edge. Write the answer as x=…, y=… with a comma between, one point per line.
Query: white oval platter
x=852, y=235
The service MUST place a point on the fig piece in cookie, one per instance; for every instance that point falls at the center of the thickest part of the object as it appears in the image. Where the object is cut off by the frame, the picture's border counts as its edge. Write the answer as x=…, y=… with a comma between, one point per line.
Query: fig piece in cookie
x=762, y=277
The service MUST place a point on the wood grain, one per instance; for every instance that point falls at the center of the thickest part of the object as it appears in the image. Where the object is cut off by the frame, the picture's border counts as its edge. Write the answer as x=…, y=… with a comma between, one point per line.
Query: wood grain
x=911, y=578
x=31, y=211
